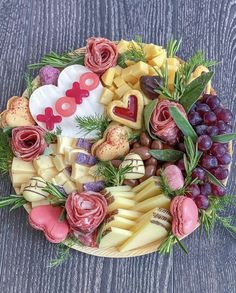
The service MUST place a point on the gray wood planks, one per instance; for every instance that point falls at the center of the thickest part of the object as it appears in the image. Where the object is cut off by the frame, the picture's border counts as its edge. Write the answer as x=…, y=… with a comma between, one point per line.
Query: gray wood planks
x=29, y=29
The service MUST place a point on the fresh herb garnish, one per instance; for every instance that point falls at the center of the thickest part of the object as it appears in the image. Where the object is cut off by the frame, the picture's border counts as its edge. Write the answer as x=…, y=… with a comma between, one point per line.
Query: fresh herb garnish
x=212, y=216
x=55, y=191
x=167, y=245
x=59, y=61
x=6, y=154
x=172, y=47
x=111, y=175
x=224, y=138
x=15, y=201
x=167, y=155
x=135, y=53
x=51, y=137
x=29, y=84
x=212, y=178
x=97, y=123
x=148, y=110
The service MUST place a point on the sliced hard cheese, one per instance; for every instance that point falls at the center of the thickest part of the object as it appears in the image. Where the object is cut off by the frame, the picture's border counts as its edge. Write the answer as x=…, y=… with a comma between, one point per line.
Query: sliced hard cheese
x=63, y=142
x=118, y=188
x=20, y=166
x=42, y=163
x=48, y=174
x=18, y=179
x=60, y=178
x=128, y=214
x=126, y=194
x=117, y=202
x=142, y=185
x=119, y=222
x=78, y=171
x=114, y=237
x=59, y=162
x=69, y=186
x=160, y=201
x=150, y=190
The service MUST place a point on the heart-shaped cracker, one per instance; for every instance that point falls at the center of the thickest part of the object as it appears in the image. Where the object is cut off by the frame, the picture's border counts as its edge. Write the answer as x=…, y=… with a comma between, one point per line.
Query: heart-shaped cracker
x=47, y=219
x=17, y=113
x=129, y=110
x=114, y=144
x=47, y=95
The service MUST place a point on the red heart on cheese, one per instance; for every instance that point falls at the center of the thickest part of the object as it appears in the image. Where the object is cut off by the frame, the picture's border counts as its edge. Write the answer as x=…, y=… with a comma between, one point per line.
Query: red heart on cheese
x=47, y=219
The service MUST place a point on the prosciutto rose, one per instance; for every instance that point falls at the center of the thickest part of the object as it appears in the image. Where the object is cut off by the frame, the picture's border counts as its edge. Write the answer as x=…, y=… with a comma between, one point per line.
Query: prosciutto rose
x=28, y=142
x=162, y=124
x=85, y=211
x=100, y=55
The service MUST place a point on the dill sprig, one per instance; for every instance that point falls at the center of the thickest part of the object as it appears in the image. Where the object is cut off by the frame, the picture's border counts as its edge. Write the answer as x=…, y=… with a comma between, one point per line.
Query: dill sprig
x=172, y=47
x=212, y=216
x=59, y=61
x=6, y=154
x=15, y=201
x=167, y=245
x=51, y=137
x=135, y=53
x=97, y=123
x=111, y=175
x=29, y=84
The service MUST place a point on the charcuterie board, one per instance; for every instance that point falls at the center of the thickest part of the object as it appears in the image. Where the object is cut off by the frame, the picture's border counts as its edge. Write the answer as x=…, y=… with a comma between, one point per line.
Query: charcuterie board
x=119, y=149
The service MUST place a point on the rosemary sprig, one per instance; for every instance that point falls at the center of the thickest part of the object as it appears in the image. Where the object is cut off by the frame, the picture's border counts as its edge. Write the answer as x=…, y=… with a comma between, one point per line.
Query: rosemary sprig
x=6, y=154
x=192, y=156
x=97, y=123
x=111, y=175
x=168, y=244
x=54, y=190
x=135, y=53
x=173, y=47
x=29, y=84
x=59, y=61
x=15, y=201
x=51, y=137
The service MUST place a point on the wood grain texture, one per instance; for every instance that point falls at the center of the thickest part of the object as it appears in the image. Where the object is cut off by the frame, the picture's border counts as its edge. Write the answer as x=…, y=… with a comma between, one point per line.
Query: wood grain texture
x=29, y=29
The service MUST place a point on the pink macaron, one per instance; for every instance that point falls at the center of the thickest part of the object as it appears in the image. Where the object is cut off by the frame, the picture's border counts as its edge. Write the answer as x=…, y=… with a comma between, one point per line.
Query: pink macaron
x=185, y=216
x=47, y=219
x=174, y=177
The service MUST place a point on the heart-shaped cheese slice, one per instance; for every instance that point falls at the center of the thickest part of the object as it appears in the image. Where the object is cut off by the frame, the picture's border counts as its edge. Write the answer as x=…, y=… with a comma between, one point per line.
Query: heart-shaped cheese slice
x=46, y=96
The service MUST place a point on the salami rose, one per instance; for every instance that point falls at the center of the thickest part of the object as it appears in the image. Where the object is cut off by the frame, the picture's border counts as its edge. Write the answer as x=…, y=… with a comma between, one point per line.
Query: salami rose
x=85, y=211
x=100, y=55
x=162, y=124
x=28, y=142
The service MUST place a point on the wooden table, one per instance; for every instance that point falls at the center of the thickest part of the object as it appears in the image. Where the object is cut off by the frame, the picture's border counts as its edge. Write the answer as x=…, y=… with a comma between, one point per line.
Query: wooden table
x=28, y=30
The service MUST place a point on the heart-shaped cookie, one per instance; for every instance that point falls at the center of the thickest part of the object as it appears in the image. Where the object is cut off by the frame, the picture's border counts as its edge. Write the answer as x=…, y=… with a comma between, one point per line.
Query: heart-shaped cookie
x=47, y=219
x=46, y=96
x=17, y=113
x=129, y=110
x=114, y=144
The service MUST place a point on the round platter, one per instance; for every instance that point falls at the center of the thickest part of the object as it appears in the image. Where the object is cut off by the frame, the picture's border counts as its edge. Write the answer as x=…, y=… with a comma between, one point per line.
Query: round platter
x=111, y=252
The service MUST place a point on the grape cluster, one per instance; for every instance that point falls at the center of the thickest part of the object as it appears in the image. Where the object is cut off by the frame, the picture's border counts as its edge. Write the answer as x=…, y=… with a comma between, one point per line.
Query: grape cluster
x=209, y=118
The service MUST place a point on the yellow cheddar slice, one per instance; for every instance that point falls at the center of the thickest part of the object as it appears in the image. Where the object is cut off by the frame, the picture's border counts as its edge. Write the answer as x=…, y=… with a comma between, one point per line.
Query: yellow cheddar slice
x=118, y=202
x=119, y=222
x=20, y=166
x=160, y=201
x=69, y=186
x=42, y=163
x=108, y=76
x=114, y=237
x=78, y=171
x=128, y=214
x=59, y=162
x=142, y=185
x=48, y=174
x=152, y=189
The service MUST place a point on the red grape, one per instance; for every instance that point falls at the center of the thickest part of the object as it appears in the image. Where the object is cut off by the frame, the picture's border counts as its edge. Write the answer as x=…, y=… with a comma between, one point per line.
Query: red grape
x=228, y=129
x=209, y=118
x=205, y=189
x=204, y=142
x=218, y=150
x=209, y=161
x=225, y=159
x=220, y=172
x=213, y=102
x=212, y=130
x=202, y=201
x=181, y=147
x=225, y=115
x=198, y=173
x=201, y=129
x=180, y=164
x=202, y=108
x=193, y=190
x=221, y=125
x=218, y=190
x=194, y=118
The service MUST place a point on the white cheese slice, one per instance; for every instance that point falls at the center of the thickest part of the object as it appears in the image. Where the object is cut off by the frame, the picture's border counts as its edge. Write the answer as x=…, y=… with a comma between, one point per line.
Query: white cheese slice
x=69, y=186
x=118, y=202
x=160, y=201
x=59, y=162
x=145, y=183
x=119, y=222
x=43, y=162
x=48, y=174
x=128, y=214
x=114, y=237
x=20, y=166
x=150, y=190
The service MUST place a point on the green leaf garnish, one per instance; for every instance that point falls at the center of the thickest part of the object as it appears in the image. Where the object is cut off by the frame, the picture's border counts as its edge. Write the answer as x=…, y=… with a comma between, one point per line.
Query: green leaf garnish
x=172, y=47
x=224, y=138
x=148, y=110
x=166, y=155
x=59, y=61
x=6, y=154
x=212, y=178
x=97, y=123
x=168, y=243
x=51, y=137
x=193, y=90
x=15, y=201
x=182, y=123
x=29, y=84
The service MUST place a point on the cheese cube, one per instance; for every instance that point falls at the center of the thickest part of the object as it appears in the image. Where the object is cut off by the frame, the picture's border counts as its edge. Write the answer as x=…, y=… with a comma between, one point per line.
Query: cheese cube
x=123, y=46
x=107, y=96
x=63, y=142
x=136, y=86
x=71, y=154
x=43, y=163
x=85, y=179
x=112, y=88
x=18, y=179
x=108, y=76
x=160, y=201
x=114, y=237
x=59, y=162
x=69, y=186
x=53, y=147
x=48, y=174
x=152, y=189
x=118, y=81
x=158, y=60
x=78, y=171
x=122, y=90
x=118, y=70
x=119, y=222
x=151, y=50
x=60, y=179
x=139, y=69
x=128, y=214
x=117, y=202
x=20, y=166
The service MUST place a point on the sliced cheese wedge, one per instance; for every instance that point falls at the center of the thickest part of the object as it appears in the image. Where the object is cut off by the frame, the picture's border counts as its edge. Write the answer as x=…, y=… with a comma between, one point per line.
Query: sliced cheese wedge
x=142, y=185
x=119, y=222
x=114, y=237
x=153, y=229
x=19, y=166
x=118, y=202
x=150, y=190
x=160, y=201
x=125, y=194
x=128, y=214
x=118, y=188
